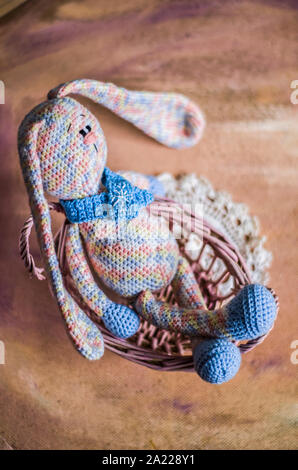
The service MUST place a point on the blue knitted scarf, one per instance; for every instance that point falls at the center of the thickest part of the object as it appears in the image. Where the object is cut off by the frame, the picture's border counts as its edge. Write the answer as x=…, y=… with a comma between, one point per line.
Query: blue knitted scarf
x=120, y=201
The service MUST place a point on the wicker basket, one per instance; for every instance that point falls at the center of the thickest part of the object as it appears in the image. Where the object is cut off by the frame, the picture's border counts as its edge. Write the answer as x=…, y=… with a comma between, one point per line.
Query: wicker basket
x=150, y=346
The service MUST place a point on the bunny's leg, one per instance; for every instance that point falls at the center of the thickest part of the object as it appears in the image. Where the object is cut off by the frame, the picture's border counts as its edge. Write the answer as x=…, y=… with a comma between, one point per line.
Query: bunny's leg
x=248, y=315
x=119, y=319
x=215, y=360
x=189, y=317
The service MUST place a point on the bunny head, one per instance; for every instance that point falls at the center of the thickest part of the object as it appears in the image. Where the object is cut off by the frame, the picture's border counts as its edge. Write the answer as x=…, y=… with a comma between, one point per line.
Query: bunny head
x=69, y=145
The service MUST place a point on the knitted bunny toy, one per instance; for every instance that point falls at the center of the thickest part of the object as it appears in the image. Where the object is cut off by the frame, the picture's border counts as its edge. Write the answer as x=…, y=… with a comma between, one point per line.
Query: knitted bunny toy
x=111, y=240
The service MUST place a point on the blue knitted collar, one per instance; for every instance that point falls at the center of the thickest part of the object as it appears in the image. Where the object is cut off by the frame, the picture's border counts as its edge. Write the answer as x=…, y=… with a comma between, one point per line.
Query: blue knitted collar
x=120, y=201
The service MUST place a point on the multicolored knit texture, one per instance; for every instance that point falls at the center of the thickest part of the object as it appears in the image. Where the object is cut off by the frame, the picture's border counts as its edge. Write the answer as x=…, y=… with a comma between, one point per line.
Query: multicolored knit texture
x=119, y=319
x=140, y=254
x=170, y=118
x=149, y=182
x=71, y=165
x=217, y=360
x=185, y=286
x=249, y=314
x=63, y=153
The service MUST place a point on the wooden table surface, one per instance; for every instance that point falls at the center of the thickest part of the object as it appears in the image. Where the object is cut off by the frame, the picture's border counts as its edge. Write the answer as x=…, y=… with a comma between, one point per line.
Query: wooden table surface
x=236, y=60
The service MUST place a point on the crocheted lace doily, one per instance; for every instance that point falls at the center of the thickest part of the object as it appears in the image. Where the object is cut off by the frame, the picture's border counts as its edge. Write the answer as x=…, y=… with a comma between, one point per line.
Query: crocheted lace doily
x=230, y=218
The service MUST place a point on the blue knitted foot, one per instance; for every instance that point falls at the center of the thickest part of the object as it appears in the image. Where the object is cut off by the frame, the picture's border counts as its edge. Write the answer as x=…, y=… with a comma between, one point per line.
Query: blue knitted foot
x=217, y=360
x=121, y=321
x=251, y=313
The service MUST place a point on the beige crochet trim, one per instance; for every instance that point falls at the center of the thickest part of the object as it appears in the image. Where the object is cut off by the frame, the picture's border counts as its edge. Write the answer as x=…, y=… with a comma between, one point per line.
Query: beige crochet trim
x=230, y=218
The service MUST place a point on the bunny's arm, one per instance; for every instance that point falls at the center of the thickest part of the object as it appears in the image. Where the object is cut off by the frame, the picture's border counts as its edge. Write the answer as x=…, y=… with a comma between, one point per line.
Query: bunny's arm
x=119, y=319
x=151, y=183
x=186, y=288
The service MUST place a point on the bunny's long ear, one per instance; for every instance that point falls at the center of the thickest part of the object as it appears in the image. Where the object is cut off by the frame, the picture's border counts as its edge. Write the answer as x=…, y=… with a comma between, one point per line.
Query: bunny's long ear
x=170, y=118
x=84, y=333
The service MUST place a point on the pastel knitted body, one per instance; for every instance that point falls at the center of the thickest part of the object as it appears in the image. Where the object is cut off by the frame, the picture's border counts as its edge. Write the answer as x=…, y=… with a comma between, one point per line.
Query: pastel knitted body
x=143, y=255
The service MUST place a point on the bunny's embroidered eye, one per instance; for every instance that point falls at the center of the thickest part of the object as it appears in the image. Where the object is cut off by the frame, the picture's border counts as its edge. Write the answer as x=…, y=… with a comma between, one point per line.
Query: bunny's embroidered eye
x=85, y=131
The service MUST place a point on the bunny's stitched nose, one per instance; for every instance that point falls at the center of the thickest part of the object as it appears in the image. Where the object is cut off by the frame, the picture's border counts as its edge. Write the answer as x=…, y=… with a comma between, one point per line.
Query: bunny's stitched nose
x=90, y=138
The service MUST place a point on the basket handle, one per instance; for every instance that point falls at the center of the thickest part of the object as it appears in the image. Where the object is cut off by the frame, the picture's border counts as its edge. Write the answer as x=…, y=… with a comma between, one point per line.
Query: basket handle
x=24, y=245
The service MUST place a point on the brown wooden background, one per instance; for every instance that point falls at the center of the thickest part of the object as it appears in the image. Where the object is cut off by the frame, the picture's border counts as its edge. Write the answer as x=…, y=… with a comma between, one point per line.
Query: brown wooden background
x=237, y=60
